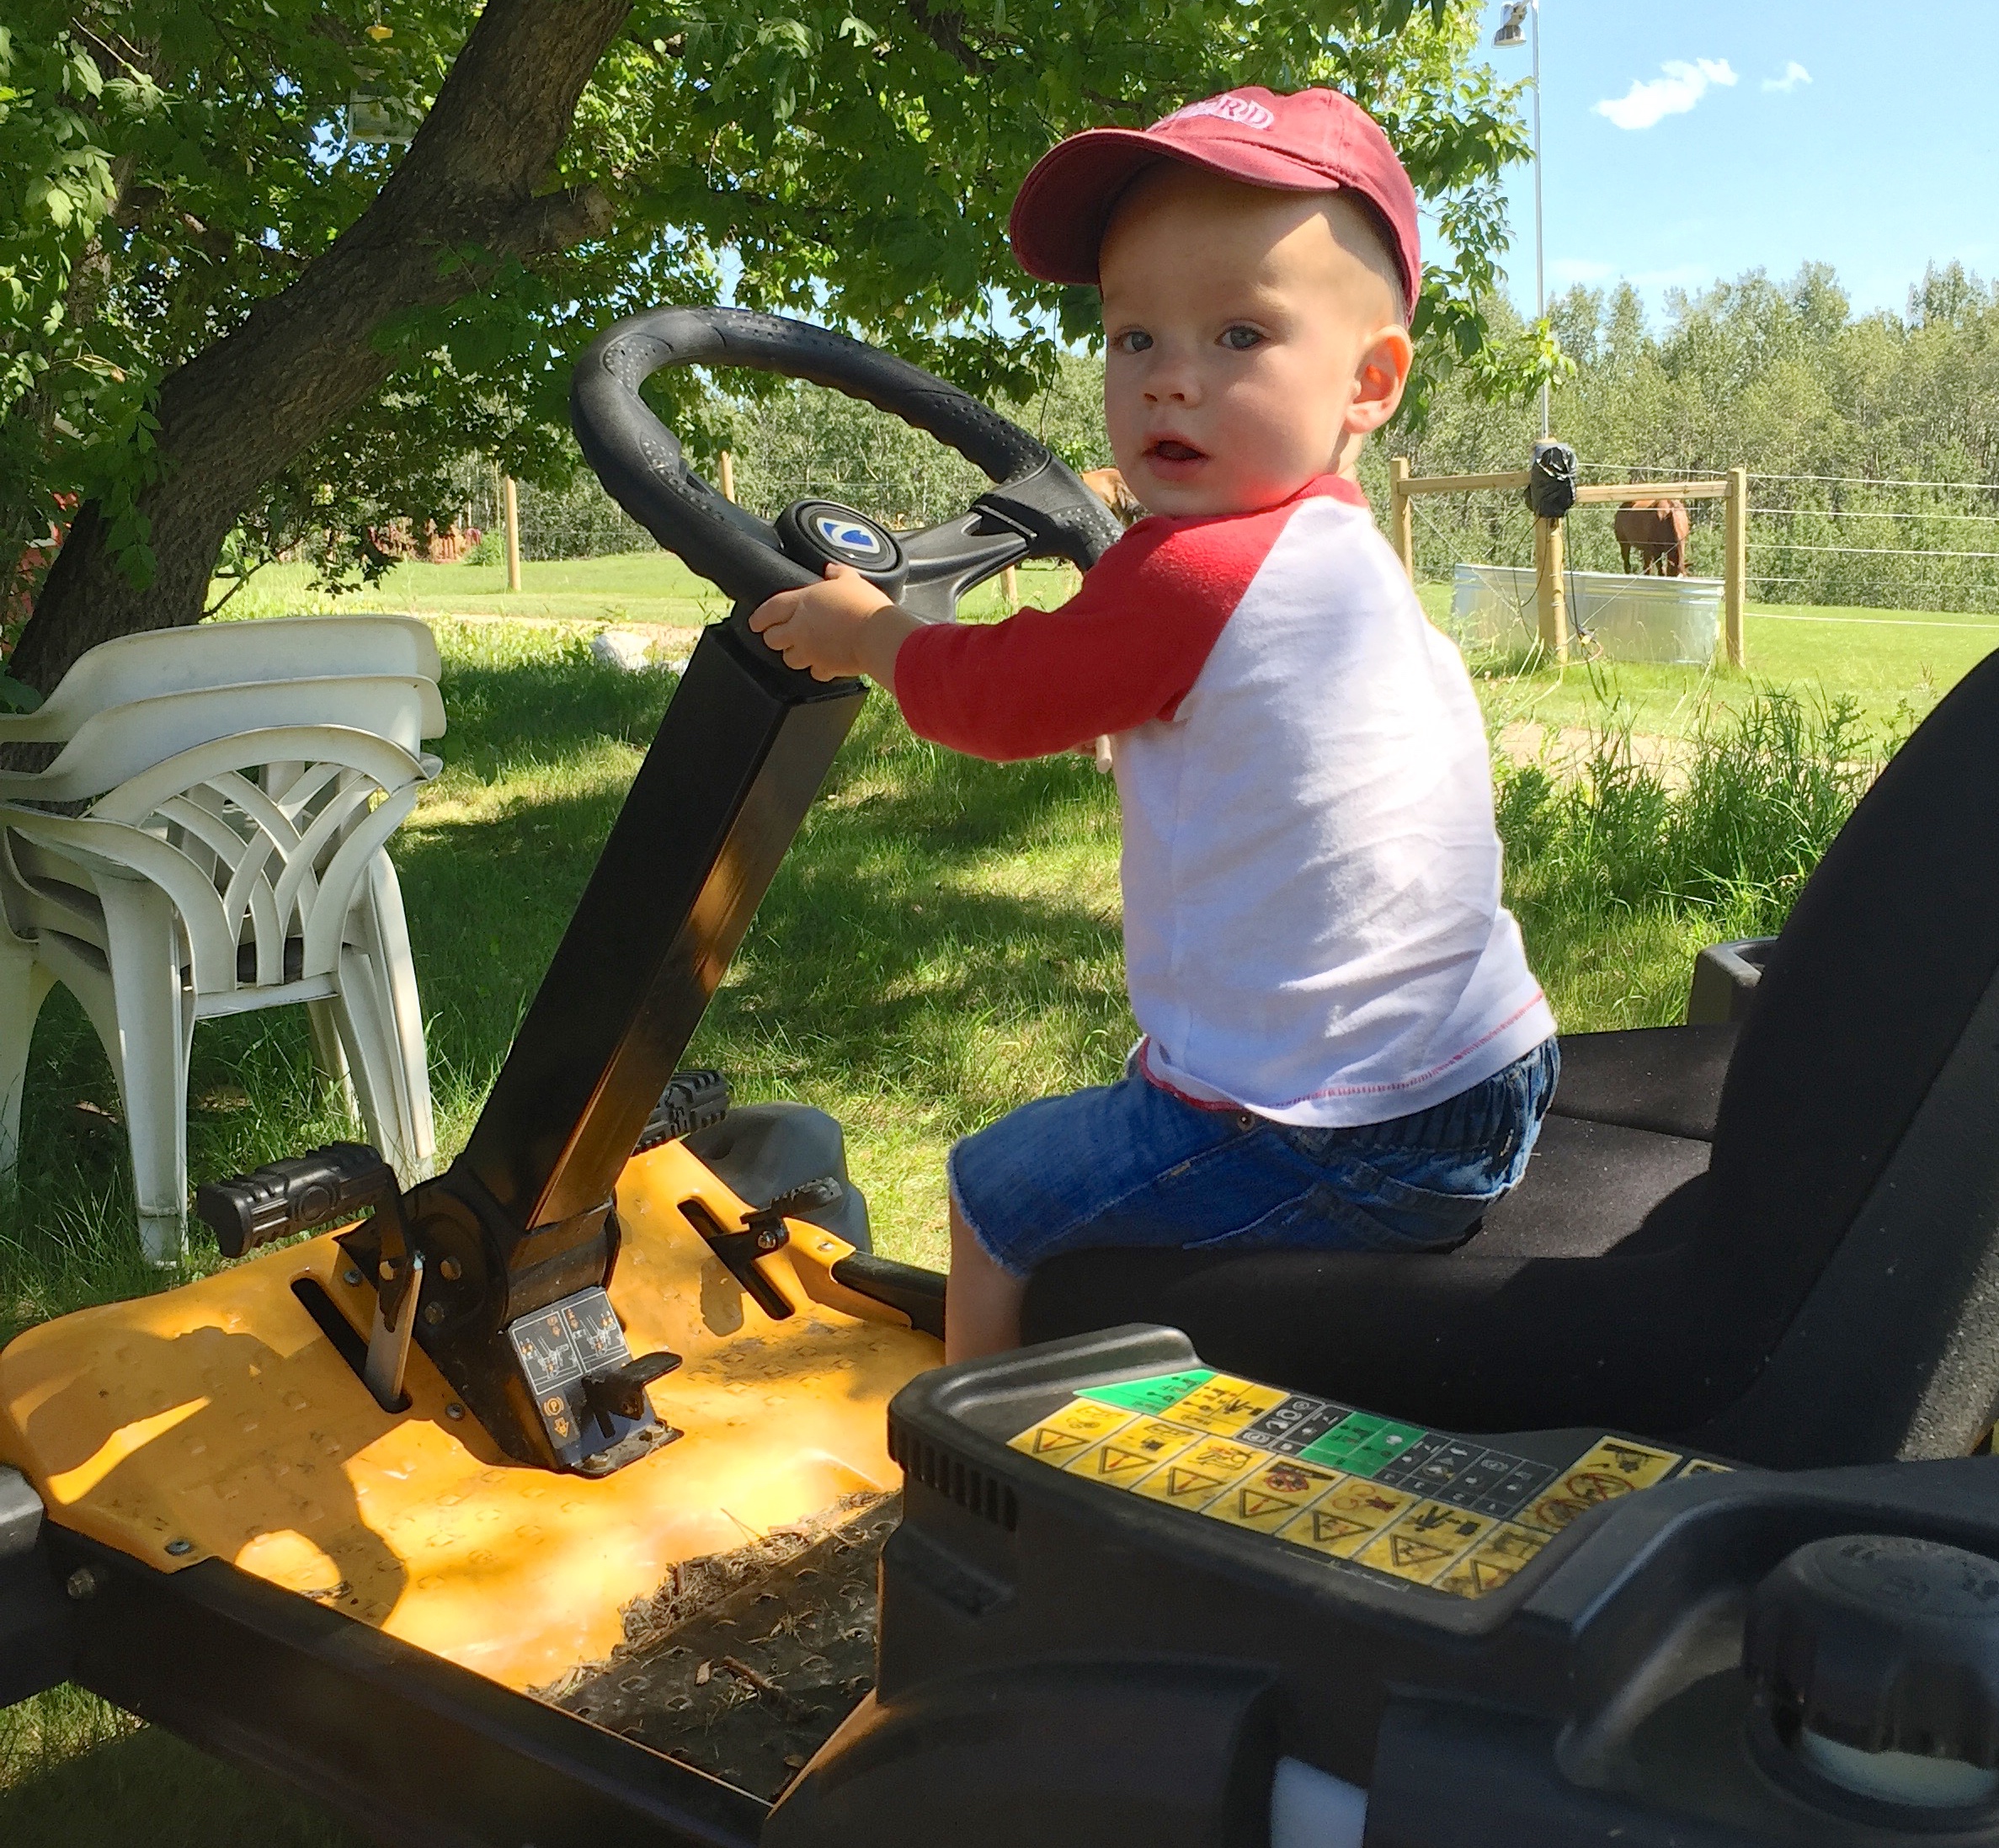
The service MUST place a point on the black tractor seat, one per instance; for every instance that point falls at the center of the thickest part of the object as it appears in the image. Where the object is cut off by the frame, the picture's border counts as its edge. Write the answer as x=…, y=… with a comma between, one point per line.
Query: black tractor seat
x=1779, y=1240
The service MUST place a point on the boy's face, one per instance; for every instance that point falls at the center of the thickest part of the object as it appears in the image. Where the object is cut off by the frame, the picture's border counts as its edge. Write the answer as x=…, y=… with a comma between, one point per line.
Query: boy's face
x=1252, y=340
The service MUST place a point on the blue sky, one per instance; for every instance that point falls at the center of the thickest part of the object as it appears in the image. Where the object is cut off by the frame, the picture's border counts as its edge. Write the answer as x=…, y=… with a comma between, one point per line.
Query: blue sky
x=1883, y=155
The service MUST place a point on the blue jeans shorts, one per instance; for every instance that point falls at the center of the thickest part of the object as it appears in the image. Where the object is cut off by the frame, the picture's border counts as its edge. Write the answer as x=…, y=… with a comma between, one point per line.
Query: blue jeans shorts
x=1130, y=1164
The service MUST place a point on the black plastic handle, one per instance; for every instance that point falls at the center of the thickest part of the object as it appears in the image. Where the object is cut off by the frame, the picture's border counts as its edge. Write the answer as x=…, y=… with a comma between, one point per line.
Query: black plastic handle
x=641, y=462
x=341, y=1180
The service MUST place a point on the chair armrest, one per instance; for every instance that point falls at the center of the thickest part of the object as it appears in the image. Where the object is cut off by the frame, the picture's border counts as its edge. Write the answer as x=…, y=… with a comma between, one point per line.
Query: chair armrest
x=1725, y=976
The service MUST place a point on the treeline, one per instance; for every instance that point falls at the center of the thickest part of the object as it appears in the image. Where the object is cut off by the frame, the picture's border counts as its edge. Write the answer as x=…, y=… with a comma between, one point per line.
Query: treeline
x=1872, y=441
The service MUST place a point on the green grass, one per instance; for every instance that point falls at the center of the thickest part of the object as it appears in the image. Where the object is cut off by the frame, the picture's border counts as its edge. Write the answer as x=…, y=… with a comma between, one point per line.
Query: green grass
x=634, y=587
x=940, y=945
x=1895, y=664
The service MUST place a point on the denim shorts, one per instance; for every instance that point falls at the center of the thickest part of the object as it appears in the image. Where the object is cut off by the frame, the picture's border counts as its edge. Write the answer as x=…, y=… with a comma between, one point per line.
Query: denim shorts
x=1131, y=1163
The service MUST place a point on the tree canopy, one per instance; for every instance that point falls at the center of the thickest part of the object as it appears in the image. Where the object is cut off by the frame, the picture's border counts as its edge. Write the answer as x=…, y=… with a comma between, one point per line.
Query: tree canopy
x=220, y=310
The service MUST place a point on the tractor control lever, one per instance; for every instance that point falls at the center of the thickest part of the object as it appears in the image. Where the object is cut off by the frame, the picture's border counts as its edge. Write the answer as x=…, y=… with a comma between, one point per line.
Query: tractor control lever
x=764, y=1231
x=341, y=1180
x=621, y=1393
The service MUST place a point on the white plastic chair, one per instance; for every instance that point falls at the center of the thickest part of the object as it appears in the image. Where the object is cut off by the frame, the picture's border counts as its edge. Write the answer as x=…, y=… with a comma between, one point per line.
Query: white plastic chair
x=221, y=654
x=231, y=858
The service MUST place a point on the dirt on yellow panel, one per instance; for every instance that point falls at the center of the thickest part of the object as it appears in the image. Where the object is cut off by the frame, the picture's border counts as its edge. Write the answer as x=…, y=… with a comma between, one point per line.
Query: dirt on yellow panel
x=217, y=1421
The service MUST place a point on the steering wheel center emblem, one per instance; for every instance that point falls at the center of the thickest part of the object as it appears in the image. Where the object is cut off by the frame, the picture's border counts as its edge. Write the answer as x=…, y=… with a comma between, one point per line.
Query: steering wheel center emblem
x=850, y=539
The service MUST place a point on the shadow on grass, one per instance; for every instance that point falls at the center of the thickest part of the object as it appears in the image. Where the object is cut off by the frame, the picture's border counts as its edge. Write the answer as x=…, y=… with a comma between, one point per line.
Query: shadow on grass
x=76, y=1773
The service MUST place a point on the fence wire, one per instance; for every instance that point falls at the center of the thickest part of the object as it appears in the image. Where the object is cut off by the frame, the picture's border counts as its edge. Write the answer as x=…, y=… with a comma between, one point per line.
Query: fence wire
x=1865, y=541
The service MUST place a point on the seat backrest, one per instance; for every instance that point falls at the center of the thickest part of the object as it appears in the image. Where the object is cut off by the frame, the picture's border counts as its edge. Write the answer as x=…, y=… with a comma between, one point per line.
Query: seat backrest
x=1870, y=994
x=114, y=745
x=224, y=654
x=249, y=864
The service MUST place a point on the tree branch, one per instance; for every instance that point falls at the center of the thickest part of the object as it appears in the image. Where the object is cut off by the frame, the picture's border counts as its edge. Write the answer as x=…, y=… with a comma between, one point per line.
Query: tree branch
x=305, y=359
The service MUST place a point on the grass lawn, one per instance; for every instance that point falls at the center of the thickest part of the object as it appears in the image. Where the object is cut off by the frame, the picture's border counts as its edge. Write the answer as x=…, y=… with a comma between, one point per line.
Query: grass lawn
x=633, y=588
x=1895, y=664
x=941, y=945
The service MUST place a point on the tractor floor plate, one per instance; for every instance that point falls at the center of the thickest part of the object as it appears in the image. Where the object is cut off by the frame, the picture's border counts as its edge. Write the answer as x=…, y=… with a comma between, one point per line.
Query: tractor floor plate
x=217, y=1421
x=748, y=1688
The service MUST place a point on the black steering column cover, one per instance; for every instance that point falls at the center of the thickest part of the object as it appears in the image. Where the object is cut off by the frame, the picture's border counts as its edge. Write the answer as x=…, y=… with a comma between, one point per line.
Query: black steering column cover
x=641, y=464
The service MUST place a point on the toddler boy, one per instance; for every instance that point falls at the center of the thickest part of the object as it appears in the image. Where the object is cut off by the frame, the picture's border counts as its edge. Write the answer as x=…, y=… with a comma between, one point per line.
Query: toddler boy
x=1343, y=1046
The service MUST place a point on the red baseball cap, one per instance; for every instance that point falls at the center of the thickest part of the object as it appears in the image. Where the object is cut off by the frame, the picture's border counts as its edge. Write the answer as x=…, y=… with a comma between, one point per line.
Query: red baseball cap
x=1310, y=141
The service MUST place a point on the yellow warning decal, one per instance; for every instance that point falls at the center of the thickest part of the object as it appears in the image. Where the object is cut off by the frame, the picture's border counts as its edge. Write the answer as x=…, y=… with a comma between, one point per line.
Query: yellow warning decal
x=1269, y=1496
x=1614, y=1466
x=1197, y=1475
x=1062, y=1434
x=1126, y=1455
x=1425, y=1541
x=1490, y=1563
x=1224, y=1405
x=1154, y=1439
x=1347, y=1516
x=1702, y=1466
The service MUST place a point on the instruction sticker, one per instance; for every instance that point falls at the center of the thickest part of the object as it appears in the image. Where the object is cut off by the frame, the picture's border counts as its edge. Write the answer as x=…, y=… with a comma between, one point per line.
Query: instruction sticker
x=1225, y=1406
x=1197, y=1475
x=1078, y=1424
x=1614, y=1466
x=1126, y=1455
x=1490, y=1563
x=1150, y=1395
x=1702, y=1466
x=1347, y=1517
x=1268, y=1497
x=1425, y=1542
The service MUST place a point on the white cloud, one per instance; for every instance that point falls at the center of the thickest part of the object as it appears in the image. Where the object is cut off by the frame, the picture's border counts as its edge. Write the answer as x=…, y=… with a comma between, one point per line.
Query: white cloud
x=1794, y=73
x=1682, y=86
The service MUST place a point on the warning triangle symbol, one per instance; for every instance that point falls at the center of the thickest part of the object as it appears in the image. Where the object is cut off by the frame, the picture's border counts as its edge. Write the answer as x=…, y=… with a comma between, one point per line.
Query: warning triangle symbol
x=1325, y=1527
x=1488, y=1575
x=1189, y=1482
x=1046, y=1440
x=1252, y=1503
x=1407, y=1551
x=1121, y=1463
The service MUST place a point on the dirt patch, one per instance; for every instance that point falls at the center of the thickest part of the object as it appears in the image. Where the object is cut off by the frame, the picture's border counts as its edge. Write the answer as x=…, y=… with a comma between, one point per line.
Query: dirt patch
x=743, y=1663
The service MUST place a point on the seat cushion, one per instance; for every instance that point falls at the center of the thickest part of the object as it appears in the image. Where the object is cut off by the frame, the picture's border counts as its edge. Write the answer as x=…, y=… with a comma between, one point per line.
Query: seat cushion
x=1665, y=1078
x=1593, y=1188
x=1570, y=1303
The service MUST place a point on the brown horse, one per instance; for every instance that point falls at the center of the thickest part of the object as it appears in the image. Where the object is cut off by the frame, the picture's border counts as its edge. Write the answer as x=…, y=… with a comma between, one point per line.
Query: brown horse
x=1656, y=530
x=1108, y=486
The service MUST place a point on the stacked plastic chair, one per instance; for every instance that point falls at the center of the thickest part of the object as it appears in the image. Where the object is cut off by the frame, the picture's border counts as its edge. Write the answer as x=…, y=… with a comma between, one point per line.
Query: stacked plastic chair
x=209, y=839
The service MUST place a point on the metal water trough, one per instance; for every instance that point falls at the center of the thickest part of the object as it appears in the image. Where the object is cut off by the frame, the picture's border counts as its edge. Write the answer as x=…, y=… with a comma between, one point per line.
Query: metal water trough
x=1630, y=618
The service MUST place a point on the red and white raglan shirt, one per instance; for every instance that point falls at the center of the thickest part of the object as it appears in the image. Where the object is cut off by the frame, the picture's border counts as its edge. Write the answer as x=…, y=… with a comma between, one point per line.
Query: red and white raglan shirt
x=1312, y=917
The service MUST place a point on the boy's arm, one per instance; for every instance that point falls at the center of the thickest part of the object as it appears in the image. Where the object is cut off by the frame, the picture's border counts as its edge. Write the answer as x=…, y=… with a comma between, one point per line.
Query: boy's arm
x=1124, y=650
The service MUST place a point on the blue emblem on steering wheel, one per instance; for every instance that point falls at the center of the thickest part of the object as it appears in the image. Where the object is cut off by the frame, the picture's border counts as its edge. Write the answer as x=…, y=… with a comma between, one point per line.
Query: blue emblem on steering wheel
x=845, y=534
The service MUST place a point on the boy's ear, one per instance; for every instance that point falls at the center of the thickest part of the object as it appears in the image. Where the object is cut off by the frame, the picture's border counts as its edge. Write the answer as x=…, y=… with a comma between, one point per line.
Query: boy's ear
x=1379, y=380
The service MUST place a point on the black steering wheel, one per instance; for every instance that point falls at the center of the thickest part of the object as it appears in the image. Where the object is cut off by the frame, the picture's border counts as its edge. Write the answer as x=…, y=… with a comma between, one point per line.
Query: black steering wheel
x=1037, y=508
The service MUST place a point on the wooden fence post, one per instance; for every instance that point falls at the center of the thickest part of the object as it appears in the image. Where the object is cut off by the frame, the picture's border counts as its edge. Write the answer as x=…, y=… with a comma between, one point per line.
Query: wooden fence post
x=1551, y=603
x=1735, y=568
x=1010, y=588
x=728, y=475
x=512, y=498
x=1402, y=521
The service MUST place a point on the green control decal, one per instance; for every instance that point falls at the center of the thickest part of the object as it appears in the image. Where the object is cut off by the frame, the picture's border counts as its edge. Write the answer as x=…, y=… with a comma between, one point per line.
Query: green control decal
x=1425, y=1507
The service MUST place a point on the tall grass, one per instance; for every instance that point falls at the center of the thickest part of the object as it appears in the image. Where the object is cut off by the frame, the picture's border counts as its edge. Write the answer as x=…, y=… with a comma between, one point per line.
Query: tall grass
x=1621, y=869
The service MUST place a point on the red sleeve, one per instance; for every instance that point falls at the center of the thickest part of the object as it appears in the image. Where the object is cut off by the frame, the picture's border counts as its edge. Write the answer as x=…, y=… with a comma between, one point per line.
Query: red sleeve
x=1124, y=649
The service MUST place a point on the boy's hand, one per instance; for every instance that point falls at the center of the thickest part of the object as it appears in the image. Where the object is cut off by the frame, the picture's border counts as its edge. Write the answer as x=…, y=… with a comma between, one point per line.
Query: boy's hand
x=843, y=627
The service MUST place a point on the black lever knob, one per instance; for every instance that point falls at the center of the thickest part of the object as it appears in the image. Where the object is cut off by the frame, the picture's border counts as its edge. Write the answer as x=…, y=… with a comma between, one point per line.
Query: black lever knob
x=766, y=1222
x=622, y=1391
x=1884, y=1645
x=342, y=1180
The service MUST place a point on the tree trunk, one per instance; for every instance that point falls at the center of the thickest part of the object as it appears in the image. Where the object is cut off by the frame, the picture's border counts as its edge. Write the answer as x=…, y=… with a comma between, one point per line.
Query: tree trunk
x=304, y=360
